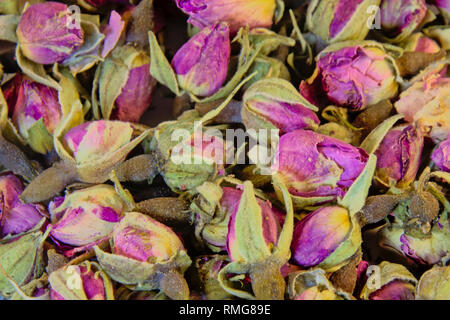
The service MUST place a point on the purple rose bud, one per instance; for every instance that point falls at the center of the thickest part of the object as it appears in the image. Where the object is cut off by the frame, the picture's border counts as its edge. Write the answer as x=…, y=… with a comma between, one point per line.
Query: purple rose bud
x=154, y=245
x=47, y=34
x=267, y=107
x=80, y=282
x=426, y=103
x=354, y=77
x=93, y=140
x=136, y=95
x=85, y=217
x=201, y=64
x=398, y=156
x=15, y=216
x=215, y=232
x=238, y=13
x=319, y=234
x=34, y=102
x=441, y=156
x=315, y=165
x=399, y=18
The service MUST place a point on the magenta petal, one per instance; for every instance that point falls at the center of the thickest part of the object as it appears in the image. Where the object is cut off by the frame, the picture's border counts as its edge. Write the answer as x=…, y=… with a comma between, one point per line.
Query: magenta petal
x=112, y=32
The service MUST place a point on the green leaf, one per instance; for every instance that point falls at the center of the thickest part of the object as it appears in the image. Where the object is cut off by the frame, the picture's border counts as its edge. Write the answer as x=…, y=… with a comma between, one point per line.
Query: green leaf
x=356, y=195
x=373, y=140
x=39, y=139
x=160, y=67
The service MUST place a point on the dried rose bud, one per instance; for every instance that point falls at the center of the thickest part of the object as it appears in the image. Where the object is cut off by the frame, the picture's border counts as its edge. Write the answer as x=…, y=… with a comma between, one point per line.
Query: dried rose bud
x=94, y=140
x=395, y=283
x=399, y=18
x=317, y=168
x=201, y=64
x=441, y=156
x=275, y=104
x=326, y=238
x=199, y=158
x=55, y=39
x=423, y=249
x=427, y=103
x=434, y=284
x=214, y=207
x=314, y=285
x=398, y=156
x=351, y=75
x=270, y=218
x=80, y=282
x=85, y=217
x=257, y=247
x=125, y=84
x=147, y=255
x=255, y=13
x=36, y=113
x=15, y=216
x=22, y=260
x=340, y=20
x=417, y=42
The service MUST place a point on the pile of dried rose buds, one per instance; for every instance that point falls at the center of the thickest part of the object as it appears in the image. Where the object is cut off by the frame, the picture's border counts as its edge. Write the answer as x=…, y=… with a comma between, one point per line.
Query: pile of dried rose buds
x=264, y=149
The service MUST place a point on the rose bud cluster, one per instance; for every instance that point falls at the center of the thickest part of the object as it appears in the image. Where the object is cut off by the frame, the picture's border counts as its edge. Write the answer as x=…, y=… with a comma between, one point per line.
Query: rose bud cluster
x=224, y=150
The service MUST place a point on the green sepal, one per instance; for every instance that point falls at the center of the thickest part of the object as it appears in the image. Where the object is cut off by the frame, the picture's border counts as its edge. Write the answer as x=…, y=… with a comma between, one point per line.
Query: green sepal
x=355, y=197
x=8, y=26
x=434, y=284
x=21, y=260
x=373, y=140
x=233, y=287
x=160, y=68
x=266, y=38
x=277, y=89
x=343, y=253
x=137, y=274
x=34, y=70
x=39, y=139
x=126, y=195
x=88, y=54
x=248, y=223
x=234, y=82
